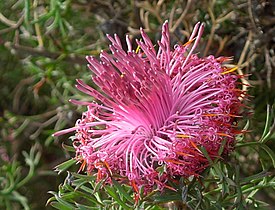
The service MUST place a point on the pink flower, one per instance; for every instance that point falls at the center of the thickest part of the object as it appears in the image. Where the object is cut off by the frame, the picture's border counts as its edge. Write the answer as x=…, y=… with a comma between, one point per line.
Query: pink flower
x=153, y=110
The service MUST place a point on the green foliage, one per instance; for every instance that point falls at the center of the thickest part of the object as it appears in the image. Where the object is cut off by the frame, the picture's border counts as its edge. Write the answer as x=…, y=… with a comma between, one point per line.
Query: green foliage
x=13, y=178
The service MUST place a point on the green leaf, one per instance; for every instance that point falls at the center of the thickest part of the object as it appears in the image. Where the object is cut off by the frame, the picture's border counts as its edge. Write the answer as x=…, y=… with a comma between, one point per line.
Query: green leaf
x=205, y=153
x=21, y=199
x=44, y=17
x=161, y=169
x=99, y=184
x=27, y=9
x=269, y=129
x=111, y=191
x=58, y=205
x=84, y=207
x=167, y=197
x=68, y=148
x=64, y=166
x=87, y=189
x=251, y=195
x=122, y=191
x=260, y=175
x=65, y=205
x=84, y=176
x=238, y=187
x=269, y=152
x=222, y=147
x=79, y=182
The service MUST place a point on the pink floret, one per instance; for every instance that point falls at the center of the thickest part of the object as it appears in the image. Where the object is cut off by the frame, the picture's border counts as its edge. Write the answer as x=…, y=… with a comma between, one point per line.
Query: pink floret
x=153, y=110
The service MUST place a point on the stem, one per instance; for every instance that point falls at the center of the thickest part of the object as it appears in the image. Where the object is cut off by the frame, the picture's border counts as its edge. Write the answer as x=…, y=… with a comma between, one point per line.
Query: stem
x=248, y=144
x=27, y=178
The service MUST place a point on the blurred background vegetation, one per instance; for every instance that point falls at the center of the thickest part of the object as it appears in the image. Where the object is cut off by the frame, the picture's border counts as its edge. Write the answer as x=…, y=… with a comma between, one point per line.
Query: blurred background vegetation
x=43, y=44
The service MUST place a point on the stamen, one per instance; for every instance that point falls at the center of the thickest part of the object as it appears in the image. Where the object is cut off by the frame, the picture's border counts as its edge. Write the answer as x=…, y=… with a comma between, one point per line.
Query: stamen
x=230, y=70
x=224, y=134
x=220, y=114
x=99, y=175
x=183, y=136
x=133, y=183
x=82, y=167
x=184, y=154
x=177, y=162
x=195, y=146
x=188, y=42
x=108, y=167
x=138, y=48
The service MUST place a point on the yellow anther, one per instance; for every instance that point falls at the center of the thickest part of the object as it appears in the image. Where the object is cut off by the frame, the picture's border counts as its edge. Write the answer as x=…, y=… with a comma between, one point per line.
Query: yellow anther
x=189, y=42
x=220, y=114
x=182, y=136
x=210, y=115
x=175, y=161
x=138, y=47
x=230, y=70
x=184, y=154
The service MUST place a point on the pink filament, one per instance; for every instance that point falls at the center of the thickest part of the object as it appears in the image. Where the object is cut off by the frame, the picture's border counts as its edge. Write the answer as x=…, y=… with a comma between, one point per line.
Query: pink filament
x=157, y=108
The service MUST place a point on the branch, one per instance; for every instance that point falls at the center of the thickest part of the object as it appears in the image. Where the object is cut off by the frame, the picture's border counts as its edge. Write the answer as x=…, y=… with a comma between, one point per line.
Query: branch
x=24, y=50
x=11, y=24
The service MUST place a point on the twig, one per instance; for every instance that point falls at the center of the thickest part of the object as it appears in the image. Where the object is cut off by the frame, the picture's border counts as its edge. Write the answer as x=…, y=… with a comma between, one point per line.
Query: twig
x=212, y=32
x=223, y=18
x=236, y=37
x=44, y=53
x=146, y=22
x=250, y=13
x=18, y=92
x=248, y=61
x=244, y=51
x=42, y=126
x=171, y=15
x=241, y=60
x=221, y=46
x=13, y=27
x=269, y=68
x=36, y=26
x=160, y=2
x=6, y=21
x=153, y=10
x=186, y=10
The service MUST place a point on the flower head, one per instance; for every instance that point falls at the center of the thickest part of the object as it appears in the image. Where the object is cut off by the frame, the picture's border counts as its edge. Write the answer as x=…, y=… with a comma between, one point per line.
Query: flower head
x=153, y=110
